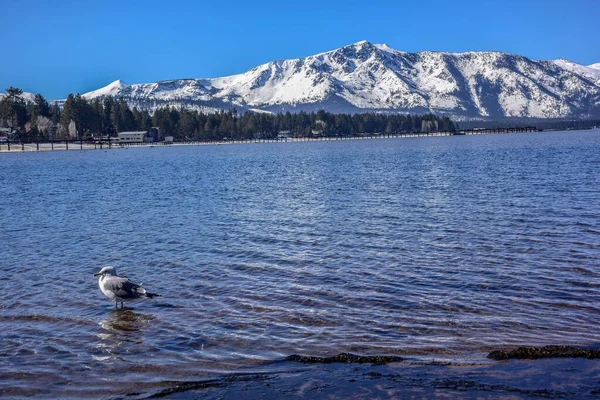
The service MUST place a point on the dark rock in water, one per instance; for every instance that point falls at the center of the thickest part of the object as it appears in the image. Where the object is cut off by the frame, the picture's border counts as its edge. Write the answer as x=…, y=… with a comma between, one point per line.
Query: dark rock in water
x=533, y=353
x=345, y=358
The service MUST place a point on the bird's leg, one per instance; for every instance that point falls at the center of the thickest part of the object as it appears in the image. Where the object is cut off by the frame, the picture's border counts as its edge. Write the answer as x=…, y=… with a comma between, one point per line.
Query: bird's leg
x=116, y=304
x=121, y=305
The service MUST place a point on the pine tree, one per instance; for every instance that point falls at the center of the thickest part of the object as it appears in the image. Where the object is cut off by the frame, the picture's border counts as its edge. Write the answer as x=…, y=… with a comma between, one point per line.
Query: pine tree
x=80, y=114
x=115, y=117
x=40, y=108
x=187, y=123
x=55, y=113
x=208, y=127
x=12, y=109
x=107, y=124
x=66, y=115
x=96, y=117
x=126, y=119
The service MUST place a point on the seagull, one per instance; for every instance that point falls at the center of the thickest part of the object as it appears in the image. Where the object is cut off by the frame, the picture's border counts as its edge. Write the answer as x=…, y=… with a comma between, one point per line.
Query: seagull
x=120, y=288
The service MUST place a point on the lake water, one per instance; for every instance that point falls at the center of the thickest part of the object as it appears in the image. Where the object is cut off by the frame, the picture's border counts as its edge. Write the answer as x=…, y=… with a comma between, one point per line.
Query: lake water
x=431, y=248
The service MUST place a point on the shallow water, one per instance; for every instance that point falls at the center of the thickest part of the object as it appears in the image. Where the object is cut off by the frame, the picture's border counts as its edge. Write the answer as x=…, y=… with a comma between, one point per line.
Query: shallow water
x=438, y=248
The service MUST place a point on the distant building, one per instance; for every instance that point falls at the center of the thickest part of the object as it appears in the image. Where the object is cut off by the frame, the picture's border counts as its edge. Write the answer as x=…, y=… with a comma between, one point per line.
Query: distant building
x=168, y=139
x=154, y=133
x=132, y=137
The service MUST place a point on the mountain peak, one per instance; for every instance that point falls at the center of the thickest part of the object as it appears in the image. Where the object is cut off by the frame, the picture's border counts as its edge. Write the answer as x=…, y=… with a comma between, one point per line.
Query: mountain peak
x=363, y=49
x=119, y=83
x=116, y=85
x=385, y=47
x=363, y=44
x=112, y=89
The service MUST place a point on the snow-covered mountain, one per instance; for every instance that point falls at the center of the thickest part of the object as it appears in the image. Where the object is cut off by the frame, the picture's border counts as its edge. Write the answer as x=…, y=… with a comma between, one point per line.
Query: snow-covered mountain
x=114, y=89
x=365, y=77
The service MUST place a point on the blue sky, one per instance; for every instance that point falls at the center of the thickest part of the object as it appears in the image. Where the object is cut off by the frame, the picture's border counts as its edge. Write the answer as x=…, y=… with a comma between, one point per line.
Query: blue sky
x=61, y=47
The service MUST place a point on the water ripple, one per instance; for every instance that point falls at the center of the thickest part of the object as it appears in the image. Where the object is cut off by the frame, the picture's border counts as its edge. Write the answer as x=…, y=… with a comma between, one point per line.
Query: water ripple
x=440, y=246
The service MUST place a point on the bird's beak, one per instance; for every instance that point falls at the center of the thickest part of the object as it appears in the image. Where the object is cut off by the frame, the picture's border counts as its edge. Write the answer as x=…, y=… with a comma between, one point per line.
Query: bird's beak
x=97, y=274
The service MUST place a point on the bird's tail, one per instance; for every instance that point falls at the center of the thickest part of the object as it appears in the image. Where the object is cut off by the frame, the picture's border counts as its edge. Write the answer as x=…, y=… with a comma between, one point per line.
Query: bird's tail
x=151, y=295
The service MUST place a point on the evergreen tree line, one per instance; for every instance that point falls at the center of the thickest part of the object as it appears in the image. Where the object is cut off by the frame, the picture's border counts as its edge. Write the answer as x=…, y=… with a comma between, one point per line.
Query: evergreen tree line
x=79, y=118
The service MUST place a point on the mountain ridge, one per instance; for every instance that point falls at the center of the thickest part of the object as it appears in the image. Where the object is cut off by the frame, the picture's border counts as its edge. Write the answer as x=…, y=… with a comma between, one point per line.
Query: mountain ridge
x=366, y=77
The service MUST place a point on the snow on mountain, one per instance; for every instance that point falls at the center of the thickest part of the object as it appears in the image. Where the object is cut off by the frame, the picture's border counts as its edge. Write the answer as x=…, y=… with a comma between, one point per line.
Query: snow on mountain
x=28, y=97
x=111, y=90
x=590, y=72
x=365, y=77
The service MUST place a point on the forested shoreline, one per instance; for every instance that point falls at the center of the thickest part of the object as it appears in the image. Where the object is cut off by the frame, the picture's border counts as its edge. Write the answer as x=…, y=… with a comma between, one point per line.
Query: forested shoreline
x=79, y=118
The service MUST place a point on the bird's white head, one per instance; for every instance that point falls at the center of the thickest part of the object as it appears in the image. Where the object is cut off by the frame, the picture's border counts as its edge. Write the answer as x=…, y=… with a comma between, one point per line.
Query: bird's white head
x=107, y=271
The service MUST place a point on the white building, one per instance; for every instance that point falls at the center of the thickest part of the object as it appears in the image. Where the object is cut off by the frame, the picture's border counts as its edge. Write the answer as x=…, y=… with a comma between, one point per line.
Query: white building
x=132, y=137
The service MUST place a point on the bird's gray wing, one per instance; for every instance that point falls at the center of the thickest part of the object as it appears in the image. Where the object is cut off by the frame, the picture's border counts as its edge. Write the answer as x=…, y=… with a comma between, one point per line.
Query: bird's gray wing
x=123, y=287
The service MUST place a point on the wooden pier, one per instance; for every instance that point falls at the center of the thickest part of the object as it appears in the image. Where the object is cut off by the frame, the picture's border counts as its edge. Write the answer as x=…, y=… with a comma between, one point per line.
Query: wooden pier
x=57, y=144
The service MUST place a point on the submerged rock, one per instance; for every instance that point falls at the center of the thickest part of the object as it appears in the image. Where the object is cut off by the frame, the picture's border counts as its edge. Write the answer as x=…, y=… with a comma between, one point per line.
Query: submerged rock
x=345, y=358
x=533, y=353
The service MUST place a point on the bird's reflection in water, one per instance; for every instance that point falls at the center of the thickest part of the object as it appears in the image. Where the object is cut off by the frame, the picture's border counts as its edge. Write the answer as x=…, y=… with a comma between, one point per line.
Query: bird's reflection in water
x=122, y=334
x=125, y=321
